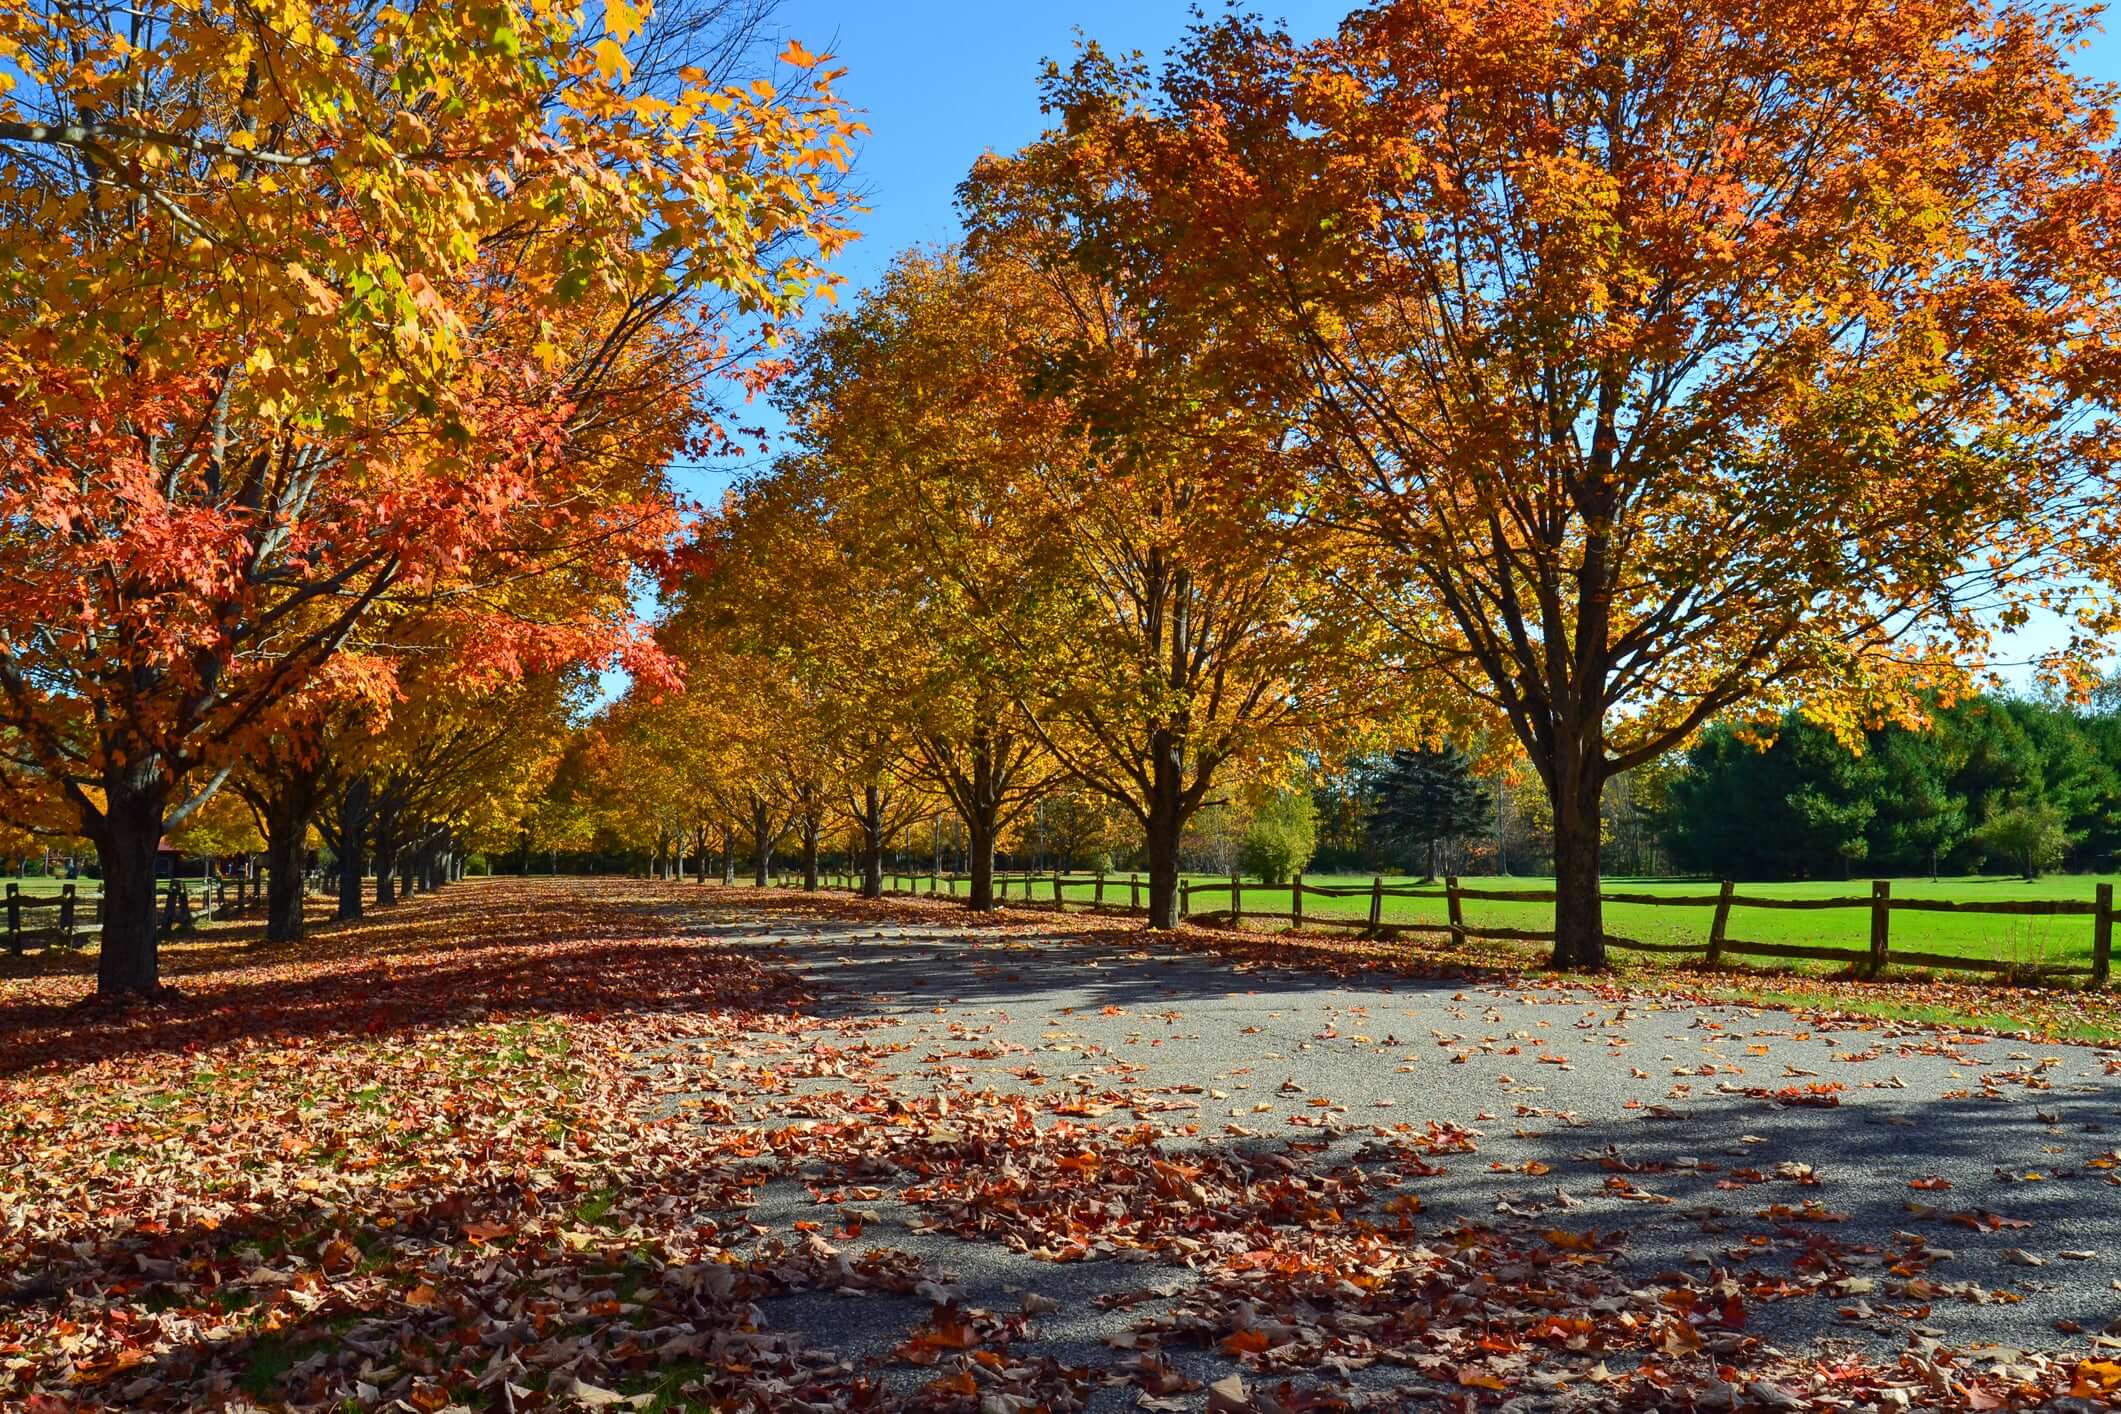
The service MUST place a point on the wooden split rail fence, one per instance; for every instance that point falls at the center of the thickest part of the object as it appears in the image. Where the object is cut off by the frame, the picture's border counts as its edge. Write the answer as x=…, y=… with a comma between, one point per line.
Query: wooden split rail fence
x=67, y=918
x=1127, y=896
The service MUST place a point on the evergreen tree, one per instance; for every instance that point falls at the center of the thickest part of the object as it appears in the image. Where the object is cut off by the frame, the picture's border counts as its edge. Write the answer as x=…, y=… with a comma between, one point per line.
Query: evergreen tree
x=1427, y=797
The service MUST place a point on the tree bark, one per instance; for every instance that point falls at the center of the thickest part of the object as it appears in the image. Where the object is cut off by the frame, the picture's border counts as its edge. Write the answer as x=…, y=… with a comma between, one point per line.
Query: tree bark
x=810, y=833
x=1579, y=921
x=386, y=871
x=761, y=842
x=286, y=835
x=872, y=842
x=128, y=962
x=1165, y=822
x=979, y=834
x=728, y=852
x=353, y=845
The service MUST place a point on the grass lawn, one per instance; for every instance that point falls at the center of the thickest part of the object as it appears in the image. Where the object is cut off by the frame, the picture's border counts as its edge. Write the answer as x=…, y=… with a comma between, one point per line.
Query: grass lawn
x=2023, y=941
x=40, y=885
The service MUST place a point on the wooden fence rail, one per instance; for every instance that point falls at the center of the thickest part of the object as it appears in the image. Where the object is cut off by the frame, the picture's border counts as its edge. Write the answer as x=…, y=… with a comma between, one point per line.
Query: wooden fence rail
x=1052, y=890
x=184, y=902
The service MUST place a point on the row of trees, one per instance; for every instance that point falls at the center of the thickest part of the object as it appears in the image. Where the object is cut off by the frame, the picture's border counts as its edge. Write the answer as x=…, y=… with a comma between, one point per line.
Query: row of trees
x=343, y=349
x=1569, y=376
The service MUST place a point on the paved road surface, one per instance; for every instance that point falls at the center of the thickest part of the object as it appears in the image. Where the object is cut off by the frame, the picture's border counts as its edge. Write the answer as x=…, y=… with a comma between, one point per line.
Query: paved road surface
x=1679, y=1125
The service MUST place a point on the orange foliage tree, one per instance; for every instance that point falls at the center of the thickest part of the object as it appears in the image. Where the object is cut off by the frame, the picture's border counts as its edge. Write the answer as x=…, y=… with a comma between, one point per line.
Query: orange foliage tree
x=1678, y=359
x=343, y=310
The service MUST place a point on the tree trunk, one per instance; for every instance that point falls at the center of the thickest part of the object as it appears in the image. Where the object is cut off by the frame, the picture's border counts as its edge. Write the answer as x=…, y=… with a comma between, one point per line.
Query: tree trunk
x=1579, y=921
x=980, y=832
x=728, y=852
x=286, y=833
x=128, y=962
x=1165, y=823
x=810, y=830
x=1163, y=873
x=1432, y=861
x=386, y=875
x=872, y=842
x=761, y=843
x=353, y=845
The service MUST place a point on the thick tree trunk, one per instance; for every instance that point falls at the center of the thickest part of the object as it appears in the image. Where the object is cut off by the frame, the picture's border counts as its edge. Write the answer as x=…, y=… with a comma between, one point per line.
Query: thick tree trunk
x=386, y=876
x=980, y=832
x=761, y=843
x=1579, y=921
x=1165, y=823
x=810, y=831
x=286, y=834
x=353, y=845
x=1163, y=873
x=872, y=842
x=128, y=962
x=729, y=852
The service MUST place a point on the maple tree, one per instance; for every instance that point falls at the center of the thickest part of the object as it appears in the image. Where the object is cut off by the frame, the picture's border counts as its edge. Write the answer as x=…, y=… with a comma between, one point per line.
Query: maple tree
x=1180, y=635
x=357, y=344
x=913, y=422
x=1678, y=359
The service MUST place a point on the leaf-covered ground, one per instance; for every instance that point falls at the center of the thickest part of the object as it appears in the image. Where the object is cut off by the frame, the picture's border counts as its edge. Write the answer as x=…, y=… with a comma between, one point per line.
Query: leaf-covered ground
x=580, y=1144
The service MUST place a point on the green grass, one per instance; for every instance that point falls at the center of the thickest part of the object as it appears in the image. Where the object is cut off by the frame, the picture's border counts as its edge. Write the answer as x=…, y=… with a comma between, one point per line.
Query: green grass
x=2028, y=942
x=39, y=886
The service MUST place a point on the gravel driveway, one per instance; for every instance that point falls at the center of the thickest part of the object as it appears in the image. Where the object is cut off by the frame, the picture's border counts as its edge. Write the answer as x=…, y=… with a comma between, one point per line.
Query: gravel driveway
x=1871, y=1187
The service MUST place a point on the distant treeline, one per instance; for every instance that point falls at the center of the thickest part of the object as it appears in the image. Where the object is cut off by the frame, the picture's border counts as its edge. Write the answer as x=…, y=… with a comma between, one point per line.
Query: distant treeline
x=1993, y=784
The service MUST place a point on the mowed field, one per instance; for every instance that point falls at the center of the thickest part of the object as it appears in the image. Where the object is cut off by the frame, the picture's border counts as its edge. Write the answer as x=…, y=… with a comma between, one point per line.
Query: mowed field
x=2027, y=941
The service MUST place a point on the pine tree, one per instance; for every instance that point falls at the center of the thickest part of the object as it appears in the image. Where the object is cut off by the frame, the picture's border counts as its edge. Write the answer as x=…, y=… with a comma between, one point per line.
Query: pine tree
x=1425, y=798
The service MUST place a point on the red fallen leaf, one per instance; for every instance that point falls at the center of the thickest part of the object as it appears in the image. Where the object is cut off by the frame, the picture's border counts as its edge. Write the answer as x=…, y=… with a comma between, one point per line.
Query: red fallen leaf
x=959, y=1383
x=1933, y=1184
x=1250, y=1341
x=1473, y=1377
x=485, y=1231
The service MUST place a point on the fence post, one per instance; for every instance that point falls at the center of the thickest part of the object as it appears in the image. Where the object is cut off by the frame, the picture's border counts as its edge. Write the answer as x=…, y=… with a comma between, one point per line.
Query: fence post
x=1719, y=923
x=1881, y=923
x=2103, y=937
x=1237, y=899
x=66, y=915
x=1059, y=904
x=1455, y=907
x=1134, y=893
x=1377, y=902
x=1296, y=902
x=1185, y=899
x=1097, y=893
x=14, y=918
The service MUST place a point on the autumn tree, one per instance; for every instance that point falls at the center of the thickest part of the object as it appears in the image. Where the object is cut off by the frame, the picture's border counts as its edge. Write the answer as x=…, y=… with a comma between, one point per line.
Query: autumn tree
x=387, y=305
x=1676, y=358
x=909, y=415
x=1180, y=634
